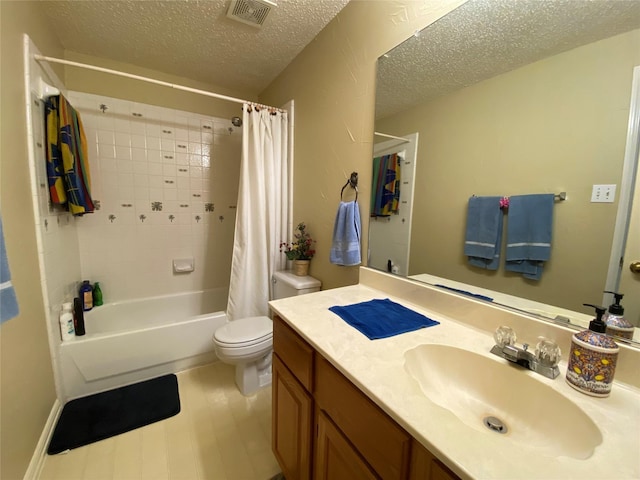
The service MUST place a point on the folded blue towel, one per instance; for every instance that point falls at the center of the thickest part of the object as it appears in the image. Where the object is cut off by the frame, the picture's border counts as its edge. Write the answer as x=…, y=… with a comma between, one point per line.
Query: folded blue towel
x=382, y=318
x=465, y=292
x=483, y=237
x=529, y=234
x=8, y=301
x=345, y=249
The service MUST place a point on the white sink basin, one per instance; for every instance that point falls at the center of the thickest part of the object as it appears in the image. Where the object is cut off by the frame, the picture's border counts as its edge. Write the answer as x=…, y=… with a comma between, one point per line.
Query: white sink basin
x=474, y=387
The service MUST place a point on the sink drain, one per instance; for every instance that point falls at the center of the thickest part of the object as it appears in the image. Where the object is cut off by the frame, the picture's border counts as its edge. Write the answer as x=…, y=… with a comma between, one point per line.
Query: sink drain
x=495, y=424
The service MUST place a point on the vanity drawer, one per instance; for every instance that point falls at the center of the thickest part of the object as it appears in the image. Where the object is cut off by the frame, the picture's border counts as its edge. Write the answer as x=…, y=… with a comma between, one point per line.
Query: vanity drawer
x=381, y=441
x=295, y=353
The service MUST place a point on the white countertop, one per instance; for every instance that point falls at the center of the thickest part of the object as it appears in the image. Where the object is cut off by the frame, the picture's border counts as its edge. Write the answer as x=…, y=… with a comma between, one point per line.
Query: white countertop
x=377, y=368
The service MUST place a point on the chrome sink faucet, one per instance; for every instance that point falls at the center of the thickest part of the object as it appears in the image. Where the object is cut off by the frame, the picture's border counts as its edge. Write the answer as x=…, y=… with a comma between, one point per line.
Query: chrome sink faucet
x=544, y=361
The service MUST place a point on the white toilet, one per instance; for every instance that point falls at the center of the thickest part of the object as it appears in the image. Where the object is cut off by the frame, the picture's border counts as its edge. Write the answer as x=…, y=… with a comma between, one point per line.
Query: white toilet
x=247, y=343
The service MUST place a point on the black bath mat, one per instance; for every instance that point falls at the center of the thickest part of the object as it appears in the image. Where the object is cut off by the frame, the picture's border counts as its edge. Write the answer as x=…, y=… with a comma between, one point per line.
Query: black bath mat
x=103, y=415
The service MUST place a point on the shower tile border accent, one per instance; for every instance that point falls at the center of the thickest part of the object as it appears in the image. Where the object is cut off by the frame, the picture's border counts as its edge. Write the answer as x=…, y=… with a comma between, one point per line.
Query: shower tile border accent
x=155, y=142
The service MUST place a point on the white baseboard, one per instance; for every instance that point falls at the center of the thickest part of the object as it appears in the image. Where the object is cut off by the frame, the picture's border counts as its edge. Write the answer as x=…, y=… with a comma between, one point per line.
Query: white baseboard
x=39, y=455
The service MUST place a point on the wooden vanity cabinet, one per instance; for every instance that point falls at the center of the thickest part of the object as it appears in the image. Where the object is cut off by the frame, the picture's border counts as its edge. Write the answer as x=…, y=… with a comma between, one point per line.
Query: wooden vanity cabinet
x=325, y=428
x=292, y=419
x=335, y=457
x=424, y=465
x=380, y=440
x=292, y=402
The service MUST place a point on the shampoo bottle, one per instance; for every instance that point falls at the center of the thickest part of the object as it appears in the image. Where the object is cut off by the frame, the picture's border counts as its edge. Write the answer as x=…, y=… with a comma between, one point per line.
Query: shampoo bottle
x=67, y=329
x=592, y=358
x=97, y=295
x=615, y=321
x=86, y=295
x=78, y=316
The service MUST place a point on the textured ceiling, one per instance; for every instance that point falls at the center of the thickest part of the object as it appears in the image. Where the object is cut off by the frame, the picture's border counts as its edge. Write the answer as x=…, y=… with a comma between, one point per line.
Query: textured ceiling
x=484, y=38
x=192, y=39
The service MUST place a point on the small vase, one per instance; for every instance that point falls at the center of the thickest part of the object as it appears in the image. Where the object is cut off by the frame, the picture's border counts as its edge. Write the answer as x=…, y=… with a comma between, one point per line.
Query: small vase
x=301, y=267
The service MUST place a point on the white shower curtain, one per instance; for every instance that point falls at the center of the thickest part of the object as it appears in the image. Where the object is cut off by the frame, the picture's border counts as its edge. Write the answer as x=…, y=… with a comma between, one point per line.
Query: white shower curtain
x=262, y=213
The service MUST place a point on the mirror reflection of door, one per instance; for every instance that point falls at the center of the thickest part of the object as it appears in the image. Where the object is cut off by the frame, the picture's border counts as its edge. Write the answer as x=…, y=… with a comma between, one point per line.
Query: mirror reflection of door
x=624, y=263
x=629, y=280
x=390, y=231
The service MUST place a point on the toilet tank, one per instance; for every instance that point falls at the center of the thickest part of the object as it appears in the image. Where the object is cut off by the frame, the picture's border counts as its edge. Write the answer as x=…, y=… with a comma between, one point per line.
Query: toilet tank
x=287, y=284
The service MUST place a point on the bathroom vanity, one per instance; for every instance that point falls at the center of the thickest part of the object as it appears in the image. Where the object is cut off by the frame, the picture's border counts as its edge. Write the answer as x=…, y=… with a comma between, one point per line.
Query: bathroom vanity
x=354, y=438
x=348, y=407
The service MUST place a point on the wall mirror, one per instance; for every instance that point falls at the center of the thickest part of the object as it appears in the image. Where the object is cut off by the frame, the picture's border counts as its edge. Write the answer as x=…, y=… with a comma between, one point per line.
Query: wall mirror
x=509, y=98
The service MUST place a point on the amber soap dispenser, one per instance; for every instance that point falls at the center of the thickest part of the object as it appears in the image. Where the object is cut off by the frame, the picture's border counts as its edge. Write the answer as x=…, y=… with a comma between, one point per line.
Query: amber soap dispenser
x=592, y=358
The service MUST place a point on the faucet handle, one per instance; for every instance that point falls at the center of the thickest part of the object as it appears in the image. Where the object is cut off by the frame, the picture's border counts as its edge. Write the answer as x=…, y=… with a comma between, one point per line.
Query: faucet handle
x=548, y=352
x=504, y=336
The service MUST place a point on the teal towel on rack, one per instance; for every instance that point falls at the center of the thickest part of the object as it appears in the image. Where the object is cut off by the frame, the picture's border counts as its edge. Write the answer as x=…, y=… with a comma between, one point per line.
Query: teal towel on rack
x=529, y=229
x=8, y=300
x=382, y=318
x=483, y=236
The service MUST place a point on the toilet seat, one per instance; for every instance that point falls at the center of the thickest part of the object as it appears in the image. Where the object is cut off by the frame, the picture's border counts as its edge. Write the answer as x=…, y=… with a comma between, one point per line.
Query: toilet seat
x=243, y=353
x=247, y=343
x=245, y=332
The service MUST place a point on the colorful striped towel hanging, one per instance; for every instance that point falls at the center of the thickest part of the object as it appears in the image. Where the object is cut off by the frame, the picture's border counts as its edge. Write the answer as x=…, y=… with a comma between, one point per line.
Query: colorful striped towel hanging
x=386, y=185
x=67, y=161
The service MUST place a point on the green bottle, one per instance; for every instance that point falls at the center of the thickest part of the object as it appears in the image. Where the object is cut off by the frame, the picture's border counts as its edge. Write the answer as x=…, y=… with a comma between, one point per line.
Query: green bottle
x=97, y=295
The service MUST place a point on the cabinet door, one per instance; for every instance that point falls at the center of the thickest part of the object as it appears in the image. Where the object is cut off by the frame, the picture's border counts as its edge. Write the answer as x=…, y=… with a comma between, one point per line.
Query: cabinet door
x=424, y=466
x=291, y=423
x=381, y=441
x=336, y=459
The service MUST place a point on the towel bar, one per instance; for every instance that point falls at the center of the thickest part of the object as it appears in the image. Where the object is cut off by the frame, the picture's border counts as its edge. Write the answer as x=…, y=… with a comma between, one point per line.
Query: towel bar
x=353, y=182
x=558, y=196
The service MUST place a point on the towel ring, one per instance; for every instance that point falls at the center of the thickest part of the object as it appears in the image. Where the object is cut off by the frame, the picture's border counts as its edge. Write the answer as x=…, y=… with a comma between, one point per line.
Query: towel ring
x=353, y=182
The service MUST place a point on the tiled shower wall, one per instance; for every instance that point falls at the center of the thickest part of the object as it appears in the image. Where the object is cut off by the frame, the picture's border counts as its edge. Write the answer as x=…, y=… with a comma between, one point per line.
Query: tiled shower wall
x=166, y=184
x=56, y=232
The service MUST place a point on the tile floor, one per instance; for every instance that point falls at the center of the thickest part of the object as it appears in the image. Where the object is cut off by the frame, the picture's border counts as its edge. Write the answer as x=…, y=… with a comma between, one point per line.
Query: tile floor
x=218, y=435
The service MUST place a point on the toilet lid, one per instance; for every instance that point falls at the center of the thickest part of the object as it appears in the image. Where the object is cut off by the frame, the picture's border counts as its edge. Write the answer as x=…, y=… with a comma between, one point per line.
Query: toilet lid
x=245, y=330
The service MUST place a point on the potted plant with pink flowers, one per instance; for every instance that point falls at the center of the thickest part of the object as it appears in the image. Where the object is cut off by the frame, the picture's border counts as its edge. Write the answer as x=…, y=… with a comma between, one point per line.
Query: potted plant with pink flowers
x=300, y=250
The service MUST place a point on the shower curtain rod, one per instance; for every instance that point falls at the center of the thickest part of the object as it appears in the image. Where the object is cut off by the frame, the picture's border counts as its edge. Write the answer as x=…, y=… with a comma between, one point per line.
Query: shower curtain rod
x=43, y=58
x=391, y=136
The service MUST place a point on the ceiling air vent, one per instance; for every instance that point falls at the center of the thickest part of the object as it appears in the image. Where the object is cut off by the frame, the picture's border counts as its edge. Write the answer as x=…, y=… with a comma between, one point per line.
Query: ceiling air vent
x=251, y=12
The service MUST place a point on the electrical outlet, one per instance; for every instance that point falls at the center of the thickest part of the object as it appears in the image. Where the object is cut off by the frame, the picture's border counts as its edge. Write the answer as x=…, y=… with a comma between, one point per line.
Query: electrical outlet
x=603, y=194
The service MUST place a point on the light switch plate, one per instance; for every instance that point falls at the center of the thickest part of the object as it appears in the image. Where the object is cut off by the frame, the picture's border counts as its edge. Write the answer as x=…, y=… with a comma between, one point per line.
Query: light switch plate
x=603, y=194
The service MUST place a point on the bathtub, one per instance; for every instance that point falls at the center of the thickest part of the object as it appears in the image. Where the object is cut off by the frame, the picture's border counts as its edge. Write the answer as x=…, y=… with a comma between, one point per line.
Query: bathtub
x=135, y=340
